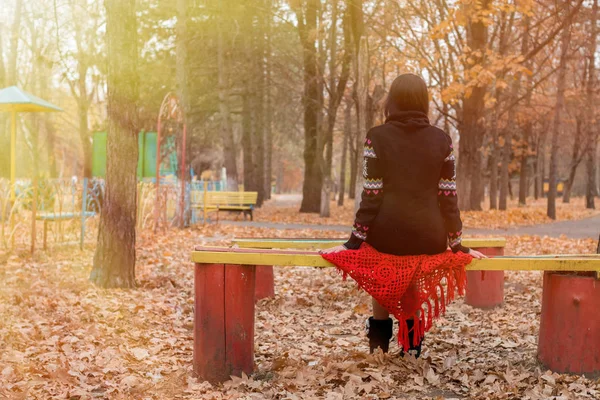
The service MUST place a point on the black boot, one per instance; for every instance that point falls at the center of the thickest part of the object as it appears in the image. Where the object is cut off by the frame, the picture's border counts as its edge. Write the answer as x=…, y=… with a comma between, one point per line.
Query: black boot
x=414, y=350
x=379, y=333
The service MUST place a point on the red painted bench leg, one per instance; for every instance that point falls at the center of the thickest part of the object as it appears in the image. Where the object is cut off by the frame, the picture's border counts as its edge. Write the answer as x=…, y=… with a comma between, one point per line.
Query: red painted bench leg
x=209, y=322
x=265, y=285
x=485, y=289
x=223, y=321
x=570, y=324
x=239, y=318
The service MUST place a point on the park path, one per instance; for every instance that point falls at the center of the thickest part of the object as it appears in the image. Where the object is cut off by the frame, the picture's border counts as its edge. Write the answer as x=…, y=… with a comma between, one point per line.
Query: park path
x=578, y=229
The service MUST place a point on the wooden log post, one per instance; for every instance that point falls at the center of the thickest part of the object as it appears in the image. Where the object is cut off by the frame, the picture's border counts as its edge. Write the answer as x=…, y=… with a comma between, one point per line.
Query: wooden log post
x=485, y=289
x=569, y=340
x=223, y=321
x=265, y=282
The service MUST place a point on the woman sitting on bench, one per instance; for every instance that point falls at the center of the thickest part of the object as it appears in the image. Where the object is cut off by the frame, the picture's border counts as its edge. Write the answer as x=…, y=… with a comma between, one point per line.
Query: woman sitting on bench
x=409, y=208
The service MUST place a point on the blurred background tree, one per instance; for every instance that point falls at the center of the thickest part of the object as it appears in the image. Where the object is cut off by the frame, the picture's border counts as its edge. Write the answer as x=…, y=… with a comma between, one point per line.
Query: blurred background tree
x=275, y=90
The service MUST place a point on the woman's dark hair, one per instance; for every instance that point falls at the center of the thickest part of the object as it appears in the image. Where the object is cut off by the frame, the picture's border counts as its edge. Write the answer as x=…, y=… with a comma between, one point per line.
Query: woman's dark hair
x=408, y=93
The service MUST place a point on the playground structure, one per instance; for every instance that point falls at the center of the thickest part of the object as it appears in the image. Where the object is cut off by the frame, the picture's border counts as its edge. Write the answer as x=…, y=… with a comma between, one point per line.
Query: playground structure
x=146, y=160
x=66, y=207
x=171, y=113
x=67, y=210
x=15, y=100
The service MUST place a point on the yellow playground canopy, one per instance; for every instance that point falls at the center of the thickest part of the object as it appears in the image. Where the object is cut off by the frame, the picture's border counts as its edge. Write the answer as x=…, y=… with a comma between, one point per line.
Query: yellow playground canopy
x=14, y=100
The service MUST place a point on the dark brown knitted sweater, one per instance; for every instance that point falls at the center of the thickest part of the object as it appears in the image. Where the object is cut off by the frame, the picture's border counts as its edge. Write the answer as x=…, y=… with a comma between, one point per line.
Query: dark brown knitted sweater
x=409, y=204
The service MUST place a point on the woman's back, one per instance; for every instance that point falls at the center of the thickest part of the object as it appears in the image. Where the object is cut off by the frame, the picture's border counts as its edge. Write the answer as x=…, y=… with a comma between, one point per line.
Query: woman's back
x=410, y=154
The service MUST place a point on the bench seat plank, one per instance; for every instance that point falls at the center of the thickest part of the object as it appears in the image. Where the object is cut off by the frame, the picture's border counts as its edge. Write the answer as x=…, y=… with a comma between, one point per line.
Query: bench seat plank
x=291, y=258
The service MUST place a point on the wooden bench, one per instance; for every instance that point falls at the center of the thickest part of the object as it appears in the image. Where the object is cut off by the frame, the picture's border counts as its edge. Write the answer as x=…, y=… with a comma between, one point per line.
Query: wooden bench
x=207, y=201
x=485, y=289
x=225, y=289
x=57, y=217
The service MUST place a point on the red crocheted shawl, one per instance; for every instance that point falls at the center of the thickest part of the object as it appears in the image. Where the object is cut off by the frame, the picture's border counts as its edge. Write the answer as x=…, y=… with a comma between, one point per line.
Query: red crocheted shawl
x=408, y=287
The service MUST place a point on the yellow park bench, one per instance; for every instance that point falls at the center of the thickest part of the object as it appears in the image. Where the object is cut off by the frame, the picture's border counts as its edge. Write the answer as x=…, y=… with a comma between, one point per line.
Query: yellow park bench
x=224, y=289
x=207, y=201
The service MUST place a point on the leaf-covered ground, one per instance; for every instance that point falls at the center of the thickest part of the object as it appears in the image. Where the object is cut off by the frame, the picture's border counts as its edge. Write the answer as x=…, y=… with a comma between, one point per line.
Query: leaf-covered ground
x=533, y=213
x=64, y=338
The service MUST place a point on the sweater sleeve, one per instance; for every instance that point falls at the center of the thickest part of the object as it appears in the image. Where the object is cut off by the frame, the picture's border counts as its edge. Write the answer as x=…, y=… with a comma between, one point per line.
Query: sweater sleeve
x=448, y=201
x=372, y=195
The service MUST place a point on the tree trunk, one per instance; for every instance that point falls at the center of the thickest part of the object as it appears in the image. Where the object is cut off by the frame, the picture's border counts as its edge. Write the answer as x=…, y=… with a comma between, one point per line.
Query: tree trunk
x=49, y=128
x=494, y=155
x=543, y=164
x=539, y=166
x=313, y=179
x=361, y=82
x=336, y=92
x=13, y=77
x=536, y=188
x=507, y=150
x=268, y=104
x=259, y=111
x=248, y=125
x=347, y=132
x=84, y=134
x=247, y=142
x=229, y=148
x=361, y=111
x=524, y=169
x=182, y=40
x=331, y=115
x=114, y=260
x=471, y=127
x=560, y=99
x=37, y=73
x=509, y=131
x=353, y=166
x=591, y=190
x=495, y=151
x=81, y=95
x=50, y=147
x=575, y=160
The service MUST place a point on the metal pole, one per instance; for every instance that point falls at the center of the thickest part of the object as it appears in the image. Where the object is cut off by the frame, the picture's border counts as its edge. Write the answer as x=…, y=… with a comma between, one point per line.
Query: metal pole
x=83, y=211
x=142, y=157
x=157, y=185
x=13, y=155
x=33, y=213
x=204, y=199
x=13, y=162
x=183, y=179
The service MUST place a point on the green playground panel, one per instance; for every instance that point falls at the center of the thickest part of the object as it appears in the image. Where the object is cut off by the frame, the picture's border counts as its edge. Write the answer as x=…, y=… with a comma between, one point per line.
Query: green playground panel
x=146, y=158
